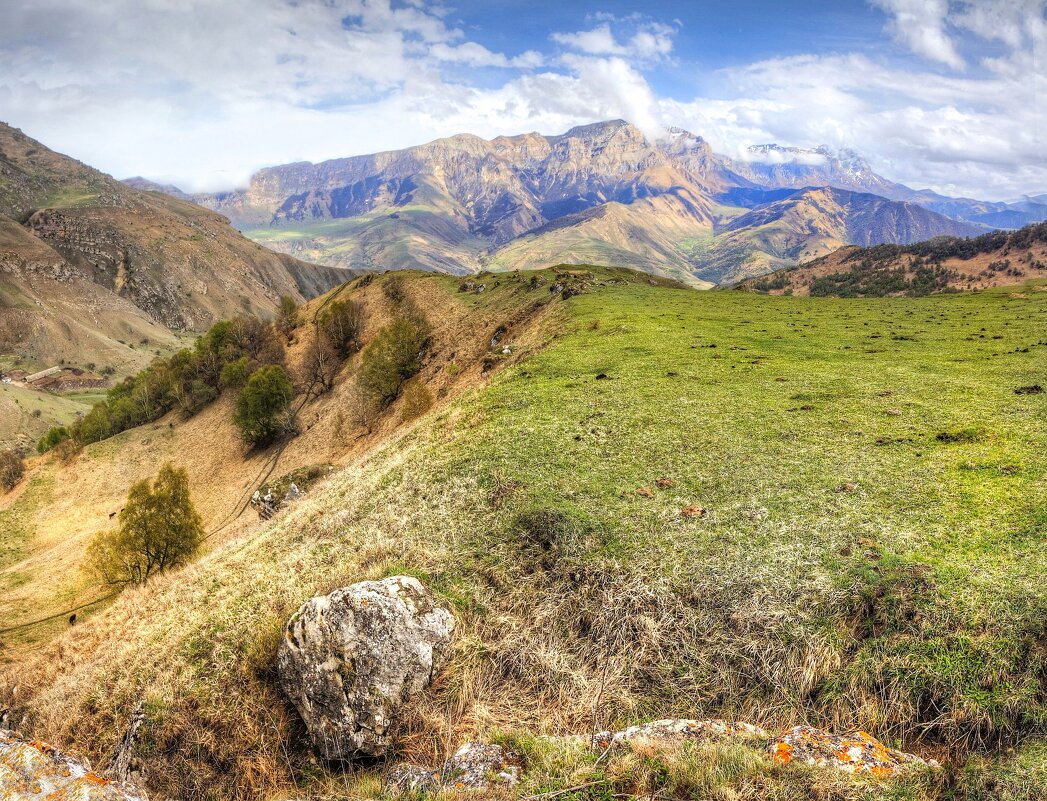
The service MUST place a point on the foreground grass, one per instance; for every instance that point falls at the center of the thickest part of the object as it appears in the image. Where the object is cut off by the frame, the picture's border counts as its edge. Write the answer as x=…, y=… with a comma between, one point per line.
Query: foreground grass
x=870, y=552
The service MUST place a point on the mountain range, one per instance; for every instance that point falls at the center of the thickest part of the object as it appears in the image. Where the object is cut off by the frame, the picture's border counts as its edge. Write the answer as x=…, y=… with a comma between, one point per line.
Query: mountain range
x=603, y=193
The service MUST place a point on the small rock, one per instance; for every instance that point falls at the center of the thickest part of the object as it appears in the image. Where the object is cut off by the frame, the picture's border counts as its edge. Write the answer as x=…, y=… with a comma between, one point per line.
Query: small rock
x=351, y=659
x=479, y=766
x=675, y=729
x=853, y=752
x=404, y=778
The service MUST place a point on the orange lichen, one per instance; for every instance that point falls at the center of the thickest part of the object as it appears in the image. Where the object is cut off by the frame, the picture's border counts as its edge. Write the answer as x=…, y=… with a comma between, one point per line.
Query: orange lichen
x=783, y=753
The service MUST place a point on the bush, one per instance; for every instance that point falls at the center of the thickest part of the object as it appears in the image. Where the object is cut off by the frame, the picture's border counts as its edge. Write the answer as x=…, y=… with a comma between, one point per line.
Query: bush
x=54, y=435
x=394, y=288
x=262, y=405
x=96, y=425
x=392, y=358
x=341, y=324
x=159, y=529
x=235, y=374
x=287, y=316
x=320, y=365
x=12, y=468
x=417, y=399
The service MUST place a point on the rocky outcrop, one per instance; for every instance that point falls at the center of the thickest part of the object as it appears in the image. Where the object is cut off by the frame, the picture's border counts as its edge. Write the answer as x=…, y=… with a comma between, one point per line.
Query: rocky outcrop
x=479, y=766
x=474, y=766
x=854, y=752
x=350, y=660
x=679, y=729
x=35, y=770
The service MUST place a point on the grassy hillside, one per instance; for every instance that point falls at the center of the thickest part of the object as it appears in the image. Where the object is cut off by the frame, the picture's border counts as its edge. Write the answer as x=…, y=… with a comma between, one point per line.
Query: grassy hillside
x=870, y=551
x=942, y=264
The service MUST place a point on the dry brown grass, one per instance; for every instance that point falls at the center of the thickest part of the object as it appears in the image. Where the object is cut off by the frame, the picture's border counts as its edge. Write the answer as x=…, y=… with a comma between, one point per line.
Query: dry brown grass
x=222, y=477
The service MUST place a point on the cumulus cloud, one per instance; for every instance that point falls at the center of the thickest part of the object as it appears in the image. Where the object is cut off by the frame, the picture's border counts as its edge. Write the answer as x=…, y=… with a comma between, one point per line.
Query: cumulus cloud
x=648, y=41
x=201, y=93
x=920, y=25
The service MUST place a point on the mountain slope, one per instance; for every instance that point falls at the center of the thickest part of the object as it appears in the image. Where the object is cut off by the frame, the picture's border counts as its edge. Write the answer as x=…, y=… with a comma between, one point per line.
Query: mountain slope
x=179, y=263
x=940, y=264
x=813, y=222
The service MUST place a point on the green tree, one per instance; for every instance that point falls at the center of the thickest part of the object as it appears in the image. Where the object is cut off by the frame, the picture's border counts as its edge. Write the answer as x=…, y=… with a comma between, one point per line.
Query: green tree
x=159, y=529
x=235, y=374
x=95, y=426
x=262, y=405
x=54, y=435
x=393, y=357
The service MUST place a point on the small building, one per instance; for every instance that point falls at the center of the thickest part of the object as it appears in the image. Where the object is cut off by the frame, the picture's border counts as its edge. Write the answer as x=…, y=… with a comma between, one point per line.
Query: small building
x=50, y=371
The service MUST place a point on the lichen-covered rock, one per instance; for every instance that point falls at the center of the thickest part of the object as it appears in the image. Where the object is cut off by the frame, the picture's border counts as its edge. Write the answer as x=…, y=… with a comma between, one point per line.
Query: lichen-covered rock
x=351, y=659
x=674, y=729
x=405, y=777
x=480, y=766
x=853, y=752
x=35, y=770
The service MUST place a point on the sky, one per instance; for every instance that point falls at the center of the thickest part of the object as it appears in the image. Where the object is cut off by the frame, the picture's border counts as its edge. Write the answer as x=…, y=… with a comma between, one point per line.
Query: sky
x=201, y=93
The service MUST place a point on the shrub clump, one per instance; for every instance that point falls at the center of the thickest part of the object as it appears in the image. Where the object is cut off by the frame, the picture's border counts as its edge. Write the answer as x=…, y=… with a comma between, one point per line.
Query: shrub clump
x=159, y=529
x=54, y=435
x=393, y=357
x=188, y=380
x=341, y=324
x=262, y=406
x=287, y=316
x=12, y=468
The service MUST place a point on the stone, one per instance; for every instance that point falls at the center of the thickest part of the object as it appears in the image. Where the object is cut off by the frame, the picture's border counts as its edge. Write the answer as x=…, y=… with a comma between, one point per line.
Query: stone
x=676, y=729
x=481, y=766
x=35, y=770
x=853, y=752
x=407, y=778
x=350, y=660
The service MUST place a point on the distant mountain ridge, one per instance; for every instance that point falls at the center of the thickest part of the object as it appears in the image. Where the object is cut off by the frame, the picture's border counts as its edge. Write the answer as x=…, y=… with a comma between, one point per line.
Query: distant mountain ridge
x=941, y=264
x=599, y=193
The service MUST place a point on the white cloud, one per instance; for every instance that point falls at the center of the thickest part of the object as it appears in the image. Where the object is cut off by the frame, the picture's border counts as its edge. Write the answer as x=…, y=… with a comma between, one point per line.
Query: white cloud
x=202, y=93
x=476, y=55
x=920, y=25
x=649, y=41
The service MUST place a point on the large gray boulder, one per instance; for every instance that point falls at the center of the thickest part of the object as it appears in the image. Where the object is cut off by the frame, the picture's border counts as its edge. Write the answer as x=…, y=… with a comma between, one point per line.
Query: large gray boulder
x=351, y=659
